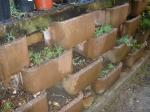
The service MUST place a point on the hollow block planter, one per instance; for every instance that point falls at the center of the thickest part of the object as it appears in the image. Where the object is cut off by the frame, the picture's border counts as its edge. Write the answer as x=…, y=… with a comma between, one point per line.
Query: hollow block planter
x=138, y=7
x=131, y=26
x=76, y=82
x=133, y=57
x=95, y=47
x=13, y=57
x=39, y=104
x=102, y=84
x=75, y=105
x=117, y=54
x=70, y=32
x=117, y=15
x=47, y=74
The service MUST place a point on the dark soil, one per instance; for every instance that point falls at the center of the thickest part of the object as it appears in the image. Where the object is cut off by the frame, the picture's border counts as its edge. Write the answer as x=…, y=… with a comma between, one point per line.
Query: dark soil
x=133, y=96
x=15, y=97
x=80, y=62
x=57, y=98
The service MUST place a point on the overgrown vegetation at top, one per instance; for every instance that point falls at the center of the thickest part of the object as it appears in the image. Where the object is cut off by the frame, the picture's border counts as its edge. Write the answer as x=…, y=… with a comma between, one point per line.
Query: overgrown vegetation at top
x=132, y=43
x=108, y=68
x=37, y=57
x=15, y=12
x=103, y=29
x=7, y=38
x=6, y=106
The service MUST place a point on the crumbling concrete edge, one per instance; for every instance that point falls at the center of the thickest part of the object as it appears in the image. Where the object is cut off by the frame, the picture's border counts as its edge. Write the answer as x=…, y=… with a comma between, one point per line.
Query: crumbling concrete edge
x=102, y=100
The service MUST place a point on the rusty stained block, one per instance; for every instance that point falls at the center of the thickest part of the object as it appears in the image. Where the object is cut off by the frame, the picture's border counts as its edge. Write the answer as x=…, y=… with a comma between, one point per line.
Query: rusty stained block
x=76, y=82
x=70, y=32
x=117, y=15
x=133, y=57
x=13, y=57
x=131, y=26
x=47, y=74
x=117, y=54
x=102, y=84
x=34, y=38
x=95, y=47
x=39, y=104
x=75, y=105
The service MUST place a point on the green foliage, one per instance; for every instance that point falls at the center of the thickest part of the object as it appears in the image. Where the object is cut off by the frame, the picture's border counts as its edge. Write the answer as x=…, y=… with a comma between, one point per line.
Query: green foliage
x=124, y=40
x=132, y=43
x=103, y=29
x=78, y=61
x=9, y=37
x=16, y=13
x=107, y=69
x=145, y=22
x=45, y=54
x=6, y=107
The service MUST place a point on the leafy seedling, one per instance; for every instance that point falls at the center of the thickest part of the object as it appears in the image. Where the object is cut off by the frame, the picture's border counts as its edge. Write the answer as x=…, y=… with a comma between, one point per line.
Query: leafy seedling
x=103, y=29
x=45, y=54
x=107, y=69
x=124, y=40
x=7, y=106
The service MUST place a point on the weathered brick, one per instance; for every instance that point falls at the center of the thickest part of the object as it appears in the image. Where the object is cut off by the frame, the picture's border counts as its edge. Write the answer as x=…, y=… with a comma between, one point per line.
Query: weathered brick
x=117, y=53
x=13, y=57
x=133, y=57
x=70, y=32
x=78, y=81
x=131, y=26
x=39, y=104
x=75, y=105
x=95, y=47
x=117, y=14
x=102, y=84
x=47, y=74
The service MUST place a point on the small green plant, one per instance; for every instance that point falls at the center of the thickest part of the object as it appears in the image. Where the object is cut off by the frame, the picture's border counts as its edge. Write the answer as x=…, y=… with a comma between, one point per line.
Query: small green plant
x=107, y=69
x=124, y=40
x=9, y=37
x=132, y=43
x=103, y=29
x=7, y=106
x=45, y=54
x=145, y=21
x=78, y=61
x=35, y=57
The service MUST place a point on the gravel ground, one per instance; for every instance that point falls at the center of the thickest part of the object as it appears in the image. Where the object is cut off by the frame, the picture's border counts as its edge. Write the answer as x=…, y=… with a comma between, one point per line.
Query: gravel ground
x=133, y=96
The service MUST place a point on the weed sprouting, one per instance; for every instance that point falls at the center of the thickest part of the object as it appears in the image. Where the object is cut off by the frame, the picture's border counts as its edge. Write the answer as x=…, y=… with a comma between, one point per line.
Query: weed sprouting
x=45, y=54
x=103, y=29
x=107, y=69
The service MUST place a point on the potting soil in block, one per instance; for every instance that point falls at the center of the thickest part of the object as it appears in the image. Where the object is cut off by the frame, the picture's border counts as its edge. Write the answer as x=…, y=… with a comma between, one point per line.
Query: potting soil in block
x=58, y=98
x=11, y=99
x=80, y=62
